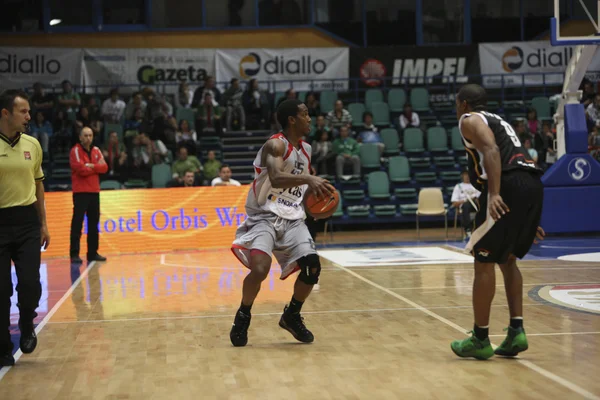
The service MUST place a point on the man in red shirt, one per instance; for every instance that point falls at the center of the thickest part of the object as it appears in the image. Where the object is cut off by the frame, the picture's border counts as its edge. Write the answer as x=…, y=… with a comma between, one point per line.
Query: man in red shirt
x=87, y=163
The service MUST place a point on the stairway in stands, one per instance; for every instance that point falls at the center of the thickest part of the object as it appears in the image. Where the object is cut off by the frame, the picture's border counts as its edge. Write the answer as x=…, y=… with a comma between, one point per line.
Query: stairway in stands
x=239, y=151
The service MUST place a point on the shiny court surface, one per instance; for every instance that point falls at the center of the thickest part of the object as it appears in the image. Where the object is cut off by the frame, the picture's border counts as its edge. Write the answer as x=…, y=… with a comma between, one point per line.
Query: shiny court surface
x=157, y=327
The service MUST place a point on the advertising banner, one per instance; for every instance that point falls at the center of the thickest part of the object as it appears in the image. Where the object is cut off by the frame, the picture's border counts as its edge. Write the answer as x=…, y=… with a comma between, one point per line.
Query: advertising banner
x=311, y=68
x=153, y=220
x=526, y=63
x=21, y=67
x=146, y=67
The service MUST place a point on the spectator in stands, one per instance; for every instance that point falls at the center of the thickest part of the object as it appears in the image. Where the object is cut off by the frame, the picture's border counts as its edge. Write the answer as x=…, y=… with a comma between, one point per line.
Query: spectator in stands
x=185, y=163
x=224, y=178
x=142, y=158
x=533, y=125
x=369, y=133
x=209, y=116
x=115, y=156
x=157, y=106
x=40, y=101
x=537, y=141
x=320, y=127
x=84, y=119
x=593, y=112
x=322, y=154
x=41, y=130
x=63, y=132
x=346, y=150
x=589, y=94
x=460, y=200
x=188, y=180
x=113, y=108
x=594, y=138
x=256, y=106
x=532, y=152
x=521, y=130
x=209, y=86
x=94, y=109
x=289, y=94
x=311, y=102
x=186, y=136
x=184, y=96
x=549, y=136
x=339, y=117
x=135, y=102
x=409, y=118
x=135, y=123
x=232, y=99
x=69, y=100
x=212, y=166
x=368, y=122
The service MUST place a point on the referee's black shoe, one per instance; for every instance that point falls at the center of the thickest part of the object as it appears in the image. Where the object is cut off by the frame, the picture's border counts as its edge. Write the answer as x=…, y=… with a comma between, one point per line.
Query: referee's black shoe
x=28, y=341
x=76, y=260
x=7, y=359
x=96, y=257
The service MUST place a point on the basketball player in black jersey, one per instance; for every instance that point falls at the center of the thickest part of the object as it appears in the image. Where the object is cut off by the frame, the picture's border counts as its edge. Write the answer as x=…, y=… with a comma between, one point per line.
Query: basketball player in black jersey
x=507, y=220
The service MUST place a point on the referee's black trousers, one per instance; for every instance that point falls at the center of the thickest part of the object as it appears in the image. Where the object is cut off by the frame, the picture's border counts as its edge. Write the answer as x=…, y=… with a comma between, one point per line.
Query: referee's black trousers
x=19, y=242
x=85, y=204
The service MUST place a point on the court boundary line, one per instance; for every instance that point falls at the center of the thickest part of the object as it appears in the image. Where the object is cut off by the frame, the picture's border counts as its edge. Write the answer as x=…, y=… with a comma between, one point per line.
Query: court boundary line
x=556, y=334
x=534, y=367
x=471, y=286
x=53, y=310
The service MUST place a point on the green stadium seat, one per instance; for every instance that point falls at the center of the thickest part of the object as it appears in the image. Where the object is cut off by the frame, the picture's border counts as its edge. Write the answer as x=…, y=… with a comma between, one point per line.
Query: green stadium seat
x=425, y=177
x=212, y=141
x=379, y=185
x=542, y=106
x=385, y=210
x=449, y=190
x=419, y=99
x=372, y=96
x=405, y=193
x=327, y=100
x=437, y=139
x=462, y=160
x=413, y=140
x=187, y=114
x=456, y=140
x=396, y=100
x=353, y=194
x=399, y=169
x=356, y=110
x=420, y=162
x=61, y=173
x=409, y=209
x=161, y=174
x=391, y=141
x=278, y=96
x=359, y=211
x=136, y=184
x=444, y=161
x=381, y=113
x=369, y=156
x=339, y=211
x=110, y=185
x=450, y=176
x=302, y=96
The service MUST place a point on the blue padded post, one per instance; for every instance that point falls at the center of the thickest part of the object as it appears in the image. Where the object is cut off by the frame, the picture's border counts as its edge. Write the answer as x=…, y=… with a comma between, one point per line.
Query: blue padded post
x=576, y=134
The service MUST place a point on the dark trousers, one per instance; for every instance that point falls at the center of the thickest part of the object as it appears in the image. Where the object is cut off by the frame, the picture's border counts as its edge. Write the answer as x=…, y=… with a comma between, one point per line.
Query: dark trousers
x=466, y=220
x=19, y=242
x=85, y=203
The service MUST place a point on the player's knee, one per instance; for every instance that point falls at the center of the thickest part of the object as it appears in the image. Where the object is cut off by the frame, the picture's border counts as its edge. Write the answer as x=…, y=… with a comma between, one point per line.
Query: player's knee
x=310, y=269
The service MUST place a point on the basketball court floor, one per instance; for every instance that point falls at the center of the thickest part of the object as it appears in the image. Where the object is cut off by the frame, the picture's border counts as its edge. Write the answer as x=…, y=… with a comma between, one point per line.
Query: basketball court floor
x=157, y=326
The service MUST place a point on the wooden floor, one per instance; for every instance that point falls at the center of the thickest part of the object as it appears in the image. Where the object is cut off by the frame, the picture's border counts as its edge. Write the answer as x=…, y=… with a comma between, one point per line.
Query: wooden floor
x=157, y=327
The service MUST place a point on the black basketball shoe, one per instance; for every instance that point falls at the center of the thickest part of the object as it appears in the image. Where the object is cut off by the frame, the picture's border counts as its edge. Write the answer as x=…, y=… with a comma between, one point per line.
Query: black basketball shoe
x=294, y=324
x=28, y=341
x=239, y=330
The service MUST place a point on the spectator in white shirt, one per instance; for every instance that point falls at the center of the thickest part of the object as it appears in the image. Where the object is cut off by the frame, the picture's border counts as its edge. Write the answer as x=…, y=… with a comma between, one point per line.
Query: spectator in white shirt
x=460, y=200
x=593, y=111
x=184, y=96
x=409, y=118
x=113, y=108
x=224, y=178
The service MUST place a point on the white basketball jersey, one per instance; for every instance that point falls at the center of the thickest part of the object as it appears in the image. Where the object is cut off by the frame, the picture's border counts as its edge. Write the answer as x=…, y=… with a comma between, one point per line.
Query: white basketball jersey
x=285, y=203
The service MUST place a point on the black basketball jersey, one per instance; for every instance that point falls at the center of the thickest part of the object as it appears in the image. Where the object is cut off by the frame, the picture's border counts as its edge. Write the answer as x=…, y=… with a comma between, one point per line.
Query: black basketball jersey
x=512, y=153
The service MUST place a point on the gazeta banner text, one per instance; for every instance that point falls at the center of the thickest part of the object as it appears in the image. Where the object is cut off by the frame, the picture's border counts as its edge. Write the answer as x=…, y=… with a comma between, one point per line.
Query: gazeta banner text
x=152, y=220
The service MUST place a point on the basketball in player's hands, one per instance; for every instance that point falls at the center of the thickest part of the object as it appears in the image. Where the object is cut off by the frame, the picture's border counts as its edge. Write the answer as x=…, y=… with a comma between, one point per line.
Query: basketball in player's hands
x=323, y=207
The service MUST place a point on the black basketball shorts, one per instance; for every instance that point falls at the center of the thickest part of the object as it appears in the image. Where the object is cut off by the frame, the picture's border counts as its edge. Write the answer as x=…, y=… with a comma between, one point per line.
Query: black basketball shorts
x=514, y=233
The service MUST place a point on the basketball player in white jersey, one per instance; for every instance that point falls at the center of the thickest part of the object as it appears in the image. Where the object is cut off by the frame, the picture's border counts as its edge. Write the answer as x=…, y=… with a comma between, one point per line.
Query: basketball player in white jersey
x=275, y=223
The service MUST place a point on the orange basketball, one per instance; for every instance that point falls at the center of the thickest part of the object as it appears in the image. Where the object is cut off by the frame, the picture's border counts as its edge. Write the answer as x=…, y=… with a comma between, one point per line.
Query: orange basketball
x=321, y=208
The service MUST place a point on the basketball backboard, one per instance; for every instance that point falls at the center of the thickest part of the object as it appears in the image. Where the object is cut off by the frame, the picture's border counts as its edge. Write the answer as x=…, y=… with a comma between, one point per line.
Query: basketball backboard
x=579, y=24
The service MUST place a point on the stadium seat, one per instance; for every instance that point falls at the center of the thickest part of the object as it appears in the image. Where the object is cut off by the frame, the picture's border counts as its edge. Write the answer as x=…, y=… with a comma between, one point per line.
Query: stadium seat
x=339, y=211
x=136, y=184
x=431, y=202
x=186, y=113
x=108, y=128
x=356, y=110
x=353, y=194
x=381, y=113
x=302, y=96
x=327, y=100
x=210, y=141
x=413, y=140
x=396, y=100
x=437, y=139
x=542, y=106
x=450, y=176
x=399, y=169
x=444, y=161
x=425, y=177
x=359, y=211
x=419, y=99
x=456, y=140
x=369, y=156
x=278, y=96
x=372, y=96
x=379, y=185
x=387, y=210
x=420, y=162
x=408, y=209
x=110, y=185
x=405, y=193
x=161, y=174
x=391, y=141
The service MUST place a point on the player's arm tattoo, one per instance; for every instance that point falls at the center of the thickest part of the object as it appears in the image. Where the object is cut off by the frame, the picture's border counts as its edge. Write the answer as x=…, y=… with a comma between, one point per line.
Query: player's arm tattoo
x=476, y=131
x=273, y=154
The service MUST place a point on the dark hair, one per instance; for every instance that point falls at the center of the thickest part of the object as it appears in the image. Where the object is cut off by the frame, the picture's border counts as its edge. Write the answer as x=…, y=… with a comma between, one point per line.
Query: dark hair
x=464, y=171
x=181, y=123
x=407, y=104
x=287, y=108
x=114, y=91
x=233, y=80
x=474, y=95
x=532, y=110
x=367, y=113
x=223, y=166
x=7, y=99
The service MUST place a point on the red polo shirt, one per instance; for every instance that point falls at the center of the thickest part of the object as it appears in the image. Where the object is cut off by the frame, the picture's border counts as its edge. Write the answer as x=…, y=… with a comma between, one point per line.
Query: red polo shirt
x=86, y=179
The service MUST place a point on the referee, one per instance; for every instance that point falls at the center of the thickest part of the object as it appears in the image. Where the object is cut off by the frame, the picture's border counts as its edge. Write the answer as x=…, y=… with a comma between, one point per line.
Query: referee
x=23, y=226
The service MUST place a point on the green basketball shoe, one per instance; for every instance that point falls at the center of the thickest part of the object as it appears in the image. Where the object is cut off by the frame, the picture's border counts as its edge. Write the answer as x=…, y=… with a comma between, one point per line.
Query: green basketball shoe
x=473, y=347
x=515, y=342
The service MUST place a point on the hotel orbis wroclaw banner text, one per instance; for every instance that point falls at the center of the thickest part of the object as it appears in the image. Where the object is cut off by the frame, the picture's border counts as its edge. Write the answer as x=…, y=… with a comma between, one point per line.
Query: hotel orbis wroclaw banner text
x=153, y=220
